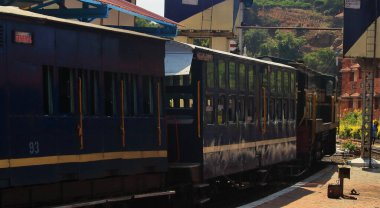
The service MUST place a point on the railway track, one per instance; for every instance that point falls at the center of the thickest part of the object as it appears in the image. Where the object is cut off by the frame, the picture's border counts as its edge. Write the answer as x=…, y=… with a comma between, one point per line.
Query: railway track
x=376, y=150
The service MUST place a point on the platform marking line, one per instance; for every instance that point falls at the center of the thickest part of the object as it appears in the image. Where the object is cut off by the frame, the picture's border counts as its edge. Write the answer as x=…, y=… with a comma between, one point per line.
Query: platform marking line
x=289, y=189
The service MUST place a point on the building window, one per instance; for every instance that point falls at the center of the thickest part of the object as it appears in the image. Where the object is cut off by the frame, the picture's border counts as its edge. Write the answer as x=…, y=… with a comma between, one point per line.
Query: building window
x=350, y=104
x=377, y=103
x=352, y=76
x=359, y=104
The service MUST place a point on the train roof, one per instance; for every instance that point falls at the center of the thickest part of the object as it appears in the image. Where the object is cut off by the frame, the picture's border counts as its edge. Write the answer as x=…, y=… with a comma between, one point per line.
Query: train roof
x=299, y=65
x=179, y=56
x=15, y=11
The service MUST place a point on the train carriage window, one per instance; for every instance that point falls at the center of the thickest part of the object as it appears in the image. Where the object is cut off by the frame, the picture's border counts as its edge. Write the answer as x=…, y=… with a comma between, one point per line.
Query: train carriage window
x=232, y=75
x=209, y=110
x=286, y=83
x=273, y=82
x=147, y=95
x=222, y=74
x=292, y=110
x=272, y=109
x=132, y=91
x=279, y=109
x=285, y=109
x=48, y=89
x=242, y=77
x=292, y=83
x=210, y=74
x=94, y=93
x=124, y=80
x=221, y=115
x=82, y=74
x=66, y=90
x=250, y=110
x=232, y=109
x=279, y=82
x=251, y=81
x=109, y=94
x=241, y=109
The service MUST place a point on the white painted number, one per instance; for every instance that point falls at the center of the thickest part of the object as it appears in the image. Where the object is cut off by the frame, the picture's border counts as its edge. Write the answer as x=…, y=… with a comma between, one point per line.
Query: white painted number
x=34, y=147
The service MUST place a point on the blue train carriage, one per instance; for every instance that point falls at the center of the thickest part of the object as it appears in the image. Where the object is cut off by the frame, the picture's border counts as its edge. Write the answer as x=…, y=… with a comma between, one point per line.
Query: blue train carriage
x=227, y=113
x=78, y=101
x=317, y=111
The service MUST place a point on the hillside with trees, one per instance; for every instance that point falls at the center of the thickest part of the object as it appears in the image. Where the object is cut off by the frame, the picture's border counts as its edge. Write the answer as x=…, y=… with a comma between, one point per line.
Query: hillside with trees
x=317, y=48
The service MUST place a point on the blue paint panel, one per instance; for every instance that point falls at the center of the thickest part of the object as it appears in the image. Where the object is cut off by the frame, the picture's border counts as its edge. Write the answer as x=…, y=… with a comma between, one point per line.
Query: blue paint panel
x=356, y=22
x=175, y=10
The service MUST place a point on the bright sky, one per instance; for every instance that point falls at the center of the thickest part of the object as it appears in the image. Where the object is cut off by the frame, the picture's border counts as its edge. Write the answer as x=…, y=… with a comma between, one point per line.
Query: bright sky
x=156, y=6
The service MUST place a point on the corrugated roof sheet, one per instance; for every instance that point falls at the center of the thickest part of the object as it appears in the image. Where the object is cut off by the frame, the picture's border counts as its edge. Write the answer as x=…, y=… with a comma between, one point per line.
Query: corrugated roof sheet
x=10, y=10
x=136, y=9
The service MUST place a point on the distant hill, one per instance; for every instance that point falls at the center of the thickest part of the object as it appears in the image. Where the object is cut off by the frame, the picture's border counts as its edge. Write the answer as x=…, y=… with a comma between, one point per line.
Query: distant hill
x=293, y=13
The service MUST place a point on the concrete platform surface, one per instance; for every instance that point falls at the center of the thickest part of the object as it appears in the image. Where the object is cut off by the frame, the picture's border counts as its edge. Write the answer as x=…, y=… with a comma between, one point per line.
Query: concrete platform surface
x=360, y=162
x=312, y=192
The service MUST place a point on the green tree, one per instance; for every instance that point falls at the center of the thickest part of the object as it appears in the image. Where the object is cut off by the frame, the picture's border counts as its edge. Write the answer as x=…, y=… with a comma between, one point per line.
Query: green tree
x=322, y=60
x=289, y=45
x=139, y=22
x=253, y=39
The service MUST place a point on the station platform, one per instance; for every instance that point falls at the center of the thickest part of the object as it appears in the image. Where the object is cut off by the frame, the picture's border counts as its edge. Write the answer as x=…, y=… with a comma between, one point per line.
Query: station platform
x=312, y=192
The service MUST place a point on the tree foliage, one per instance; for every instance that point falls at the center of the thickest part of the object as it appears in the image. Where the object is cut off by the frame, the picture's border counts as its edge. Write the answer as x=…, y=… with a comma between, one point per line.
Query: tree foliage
x=283, y=44
x=322, y=60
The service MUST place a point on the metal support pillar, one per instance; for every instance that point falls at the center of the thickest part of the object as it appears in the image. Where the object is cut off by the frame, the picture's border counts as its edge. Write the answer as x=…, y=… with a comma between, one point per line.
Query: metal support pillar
x=368, y=67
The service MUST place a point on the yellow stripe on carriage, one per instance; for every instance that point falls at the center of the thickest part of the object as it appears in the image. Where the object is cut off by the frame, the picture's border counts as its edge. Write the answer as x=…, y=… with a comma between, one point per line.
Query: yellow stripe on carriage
x=227, y=147
x=62, y=159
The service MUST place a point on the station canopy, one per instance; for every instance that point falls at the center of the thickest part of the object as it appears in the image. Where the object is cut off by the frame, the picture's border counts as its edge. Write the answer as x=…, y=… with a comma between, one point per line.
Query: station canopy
x=93, y=9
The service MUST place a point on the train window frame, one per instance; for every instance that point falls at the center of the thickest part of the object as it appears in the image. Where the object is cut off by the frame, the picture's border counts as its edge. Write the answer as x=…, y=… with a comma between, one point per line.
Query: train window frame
x=66, y=90
x=286, y=83
x=48, y=83
x=279, y=82
x=222, y=77
x=272, y=109
x=241, y=109
x=232, y=79
x=231, y=109
x=220, y=110
x=94, y=92
x=83, y=75
x=210, y=74
x=279, y=110
x=250, y=106
x=109, y=79
x=147, y=95
x=272, y=81
x=251, y=79
x=242, y=72
x=209, y=111
x=285, y=104
x=292, y=83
